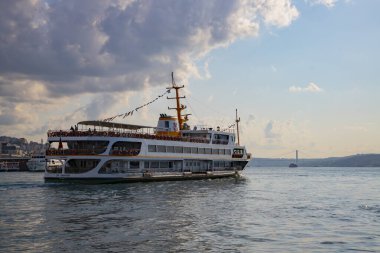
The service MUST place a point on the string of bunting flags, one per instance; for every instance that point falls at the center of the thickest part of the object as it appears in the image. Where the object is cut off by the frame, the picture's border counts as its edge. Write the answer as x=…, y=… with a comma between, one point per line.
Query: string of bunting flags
x=130, y=113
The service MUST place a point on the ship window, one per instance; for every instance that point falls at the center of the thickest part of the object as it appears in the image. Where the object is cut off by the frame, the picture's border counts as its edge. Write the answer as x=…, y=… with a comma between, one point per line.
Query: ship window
x=161, y=148
x=126, y=145
x=152, y=148
x=221, y=151
x=194, y=150
x=186, y=150
x=154, y=164
x=80, y=166
x=220, y=139
x=215, y=151
x=167, y=124
x=85, y=147
x=201, y=151
x=178, y=149
x=164, y=164
x=146, y=165
x=208, y=151
x=134, y=164
x=170, y=164
x=170, y=149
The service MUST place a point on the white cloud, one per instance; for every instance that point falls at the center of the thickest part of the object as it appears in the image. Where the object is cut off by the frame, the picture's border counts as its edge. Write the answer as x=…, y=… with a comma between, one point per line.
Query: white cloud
x=55, y=51
x=356, y=128
x=269, y=131
x=312, y=87
x=327, y=3
x=279, y=12
x=207, y=74
x=105, y=45
x=251, y=118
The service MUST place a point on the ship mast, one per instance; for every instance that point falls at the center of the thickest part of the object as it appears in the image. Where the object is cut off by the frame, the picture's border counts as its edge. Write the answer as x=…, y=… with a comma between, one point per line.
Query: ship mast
x=237, y=127
x=179, y=107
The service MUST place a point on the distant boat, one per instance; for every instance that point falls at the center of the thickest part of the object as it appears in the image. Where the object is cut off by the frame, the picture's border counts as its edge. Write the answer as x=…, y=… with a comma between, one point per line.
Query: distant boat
x=294, y=165
x=36, y=163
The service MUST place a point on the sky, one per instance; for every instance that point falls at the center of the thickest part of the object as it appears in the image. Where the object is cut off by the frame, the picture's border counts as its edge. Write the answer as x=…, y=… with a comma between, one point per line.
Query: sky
x=302, y=74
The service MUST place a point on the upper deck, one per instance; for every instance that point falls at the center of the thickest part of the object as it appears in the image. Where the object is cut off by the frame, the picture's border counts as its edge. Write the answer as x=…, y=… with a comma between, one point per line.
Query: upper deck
x=109, y=129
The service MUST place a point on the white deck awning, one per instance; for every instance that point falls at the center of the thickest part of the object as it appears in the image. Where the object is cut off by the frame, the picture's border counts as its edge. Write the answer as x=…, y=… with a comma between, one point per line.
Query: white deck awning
x=99, y=123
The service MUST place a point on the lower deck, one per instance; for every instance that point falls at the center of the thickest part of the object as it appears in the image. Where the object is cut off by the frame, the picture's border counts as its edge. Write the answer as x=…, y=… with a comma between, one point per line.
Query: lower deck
x=131, y=170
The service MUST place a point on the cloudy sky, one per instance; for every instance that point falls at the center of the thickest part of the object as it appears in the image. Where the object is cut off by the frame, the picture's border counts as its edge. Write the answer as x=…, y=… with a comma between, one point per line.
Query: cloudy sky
x=303, y=74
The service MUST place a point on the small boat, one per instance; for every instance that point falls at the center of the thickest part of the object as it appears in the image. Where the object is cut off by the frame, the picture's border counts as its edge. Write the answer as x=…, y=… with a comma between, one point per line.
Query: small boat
x=38, y=163
x=294, y=165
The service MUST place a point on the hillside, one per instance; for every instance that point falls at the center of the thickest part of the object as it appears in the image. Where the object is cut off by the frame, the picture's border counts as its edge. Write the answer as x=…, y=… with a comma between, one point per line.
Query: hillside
x=22, y=144
x=360, y=160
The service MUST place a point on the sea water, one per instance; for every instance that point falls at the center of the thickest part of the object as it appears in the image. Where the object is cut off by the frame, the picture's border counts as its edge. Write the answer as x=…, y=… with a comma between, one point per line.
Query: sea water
x=266, y=210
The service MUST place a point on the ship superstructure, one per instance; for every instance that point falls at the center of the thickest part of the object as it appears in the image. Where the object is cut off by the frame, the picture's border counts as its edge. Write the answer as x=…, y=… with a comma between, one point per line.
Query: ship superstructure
x=104, y=151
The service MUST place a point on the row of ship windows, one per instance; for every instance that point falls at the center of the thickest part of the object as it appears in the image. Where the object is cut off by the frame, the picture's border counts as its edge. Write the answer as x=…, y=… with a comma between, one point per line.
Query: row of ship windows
x=75, y=166
x=188, y=150
x=166, y=164
x=162, y=164
x=123, y=166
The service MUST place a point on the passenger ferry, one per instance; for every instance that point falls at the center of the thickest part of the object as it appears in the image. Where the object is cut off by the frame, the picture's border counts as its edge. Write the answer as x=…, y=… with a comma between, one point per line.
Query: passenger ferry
x=102, y=151
x=38, y=163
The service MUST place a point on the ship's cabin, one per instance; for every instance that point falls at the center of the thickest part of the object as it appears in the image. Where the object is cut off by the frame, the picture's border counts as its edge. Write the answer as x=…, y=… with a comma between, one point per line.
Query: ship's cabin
x=167, y=125
x=215, y=136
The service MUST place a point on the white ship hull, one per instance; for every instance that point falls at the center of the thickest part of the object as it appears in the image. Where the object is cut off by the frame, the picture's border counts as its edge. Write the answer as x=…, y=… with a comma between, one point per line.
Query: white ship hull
x=141, y=177
x=36, y=166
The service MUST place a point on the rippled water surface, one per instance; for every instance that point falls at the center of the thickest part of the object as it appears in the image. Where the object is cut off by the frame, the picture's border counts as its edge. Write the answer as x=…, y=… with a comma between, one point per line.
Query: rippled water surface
x=268, y=210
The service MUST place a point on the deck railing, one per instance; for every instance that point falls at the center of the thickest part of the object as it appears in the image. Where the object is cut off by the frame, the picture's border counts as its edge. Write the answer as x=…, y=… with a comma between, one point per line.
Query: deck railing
x=123, y=134
x=71, y=151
